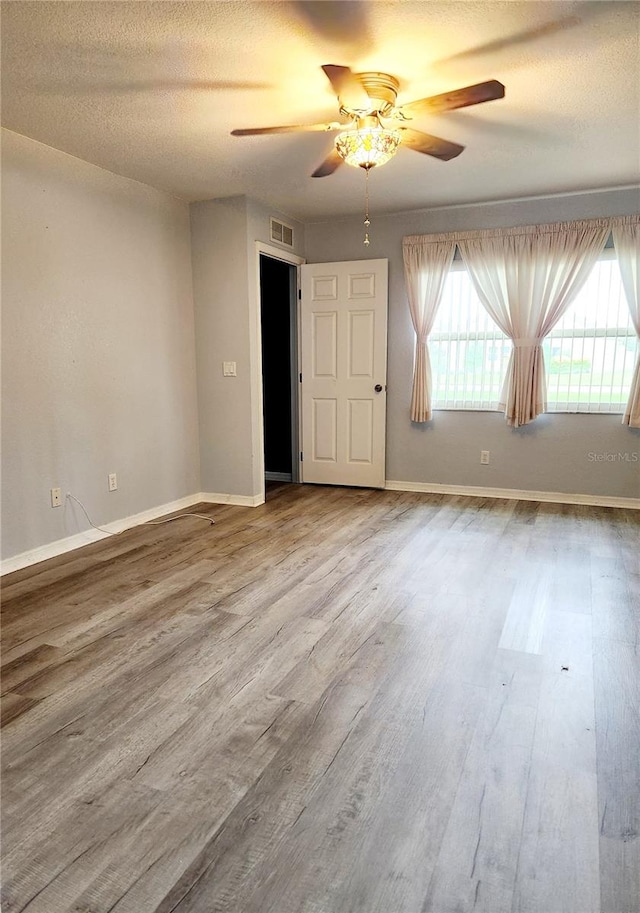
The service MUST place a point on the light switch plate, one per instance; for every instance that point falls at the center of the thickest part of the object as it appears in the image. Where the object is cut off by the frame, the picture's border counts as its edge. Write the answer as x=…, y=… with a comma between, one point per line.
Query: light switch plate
x=229, y=368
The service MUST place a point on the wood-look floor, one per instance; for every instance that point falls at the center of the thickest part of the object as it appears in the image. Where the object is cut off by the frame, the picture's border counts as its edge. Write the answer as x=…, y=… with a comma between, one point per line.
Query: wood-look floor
x=344, y=701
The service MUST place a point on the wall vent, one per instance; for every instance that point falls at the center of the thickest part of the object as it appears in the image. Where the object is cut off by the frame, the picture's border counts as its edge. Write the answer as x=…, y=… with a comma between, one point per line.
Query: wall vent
x=281, y=233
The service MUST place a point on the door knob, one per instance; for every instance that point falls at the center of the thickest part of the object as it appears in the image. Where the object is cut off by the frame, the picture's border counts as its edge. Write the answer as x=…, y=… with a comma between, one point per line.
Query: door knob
x=378, y=388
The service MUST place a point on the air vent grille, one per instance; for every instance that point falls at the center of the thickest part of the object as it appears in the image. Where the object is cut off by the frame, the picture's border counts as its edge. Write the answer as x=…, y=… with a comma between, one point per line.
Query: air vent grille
x=281, y=233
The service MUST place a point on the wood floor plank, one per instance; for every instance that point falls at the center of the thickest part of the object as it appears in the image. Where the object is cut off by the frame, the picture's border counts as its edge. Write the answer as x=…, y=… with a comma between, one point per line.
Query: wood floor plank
x=616, y=672
x=308, y=707
x=478, y=859
x=615, y=601
x=525, y=621
x=560, y=827
x=76, y=852
x=187, y=848
x=13, y=705
x=114, y=686
x=390, y=808
x=619, y=875
x=237, y=856
x=19, y=671
x=559, y=839
x=76, y=763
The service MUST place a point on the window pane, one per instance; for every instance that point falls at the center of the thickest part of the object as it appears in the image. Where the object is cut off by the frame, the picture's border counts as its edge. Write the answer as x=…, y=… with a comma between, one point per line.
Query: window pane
x=469, y=353
x=589, y=355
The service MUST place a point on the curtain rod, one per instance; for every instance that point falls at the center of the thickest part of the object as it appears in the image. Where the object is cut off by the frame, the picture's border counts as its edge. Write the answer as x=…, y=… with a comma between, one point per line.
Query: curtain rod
x=545, y=228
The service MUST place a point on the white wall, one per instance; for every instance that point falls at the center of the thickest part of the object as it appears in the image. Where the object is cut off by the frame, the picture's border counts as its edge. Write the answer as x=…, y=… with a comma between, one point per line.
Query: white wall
x=227, y=307
x=551, y=454
x=98, y=370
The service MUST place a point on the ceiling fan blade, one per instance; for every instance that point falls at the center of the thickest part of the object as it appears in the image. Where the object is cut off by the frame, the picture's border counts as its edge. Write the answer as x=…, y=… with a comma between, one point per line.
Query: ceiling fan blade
x=343, y=21
x=527, y=36
x=88, y=87
x=288, y=128
x=459, y=98
x=332, y=161
x=430, y=145
x=347, y=87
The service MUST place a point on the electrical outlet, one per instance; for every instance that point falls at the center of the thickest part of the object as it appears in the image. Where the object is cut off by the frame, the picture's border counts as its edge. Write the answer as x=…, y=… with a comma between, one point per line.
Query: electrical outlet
x=229, y=368
x=484, y=457
x=56, y=497
x=113, y=481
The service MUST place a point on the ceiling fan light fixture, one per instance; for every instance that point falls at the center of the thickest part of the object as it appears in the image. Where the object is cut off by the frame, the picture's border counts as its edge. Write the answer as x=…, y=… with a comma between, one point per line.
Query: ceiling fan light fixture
x=368, y=147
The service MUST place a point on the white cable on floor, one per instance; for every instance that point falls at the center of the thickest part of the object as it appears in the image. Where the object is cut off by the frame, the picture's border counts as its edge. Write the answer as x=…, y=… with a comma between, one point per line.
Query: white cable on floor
x=177, y=517
x=210, y=520
x=84, y=511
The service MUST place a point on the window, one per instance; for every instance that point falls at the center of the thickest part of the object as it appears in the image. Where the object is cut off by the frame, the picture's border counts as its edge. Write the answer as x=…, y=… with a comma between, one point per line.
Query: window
x=469, y=353
x=589, y=355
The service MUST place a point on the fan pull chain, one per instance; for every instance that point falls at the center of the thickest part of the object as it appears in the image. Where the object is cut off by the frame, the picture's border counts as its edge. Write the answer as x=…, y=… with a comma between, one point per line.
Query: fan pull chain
x=367, y=223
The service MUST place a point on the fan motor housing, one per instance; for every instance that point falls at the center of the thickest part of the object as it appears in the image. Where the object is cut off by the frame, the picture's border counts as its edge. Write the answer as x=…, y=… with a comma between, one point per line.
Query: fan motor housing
x=381, y=88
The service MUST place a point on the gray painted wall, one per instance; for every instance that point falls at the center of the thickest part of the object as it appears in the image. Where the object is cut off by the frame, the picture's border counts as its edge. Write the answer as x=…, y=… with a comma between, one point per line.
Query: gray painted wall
x=552, y=454
x=99, y=359
x=226, y=298
x=98, y=368
x=220, y=292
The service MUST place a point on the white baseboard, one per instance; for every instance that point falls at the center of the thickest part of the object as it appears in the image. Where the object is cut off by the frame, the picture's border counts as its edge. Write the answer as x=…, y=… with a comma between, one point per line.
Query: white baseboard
x=68, y=544
x=61, y=546
x=515, y=494
x=87, y=536
x=216, y=497
x=51, y=550
x=278, y=476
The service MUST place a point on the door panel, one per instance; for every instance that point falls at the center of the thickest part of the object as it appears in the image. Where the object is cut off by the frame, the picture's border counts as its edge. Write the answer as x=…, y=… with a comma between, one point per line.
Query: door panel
x=325, y=345
x=325, y=430
x=344, y=358
x=361, y=344
x=360, y=425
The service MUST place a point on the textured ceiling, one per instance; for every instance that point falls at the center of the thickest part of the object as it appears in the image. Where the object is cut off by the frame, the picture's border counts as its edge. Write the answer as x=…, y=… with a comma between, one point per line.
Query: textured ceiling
x=151, y=90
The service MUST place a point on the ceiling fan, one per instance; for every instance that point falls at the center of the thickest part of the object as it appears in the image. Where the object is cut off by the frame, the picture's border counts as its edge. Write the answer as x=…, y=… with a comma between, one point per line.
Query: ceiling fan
x=376, y=125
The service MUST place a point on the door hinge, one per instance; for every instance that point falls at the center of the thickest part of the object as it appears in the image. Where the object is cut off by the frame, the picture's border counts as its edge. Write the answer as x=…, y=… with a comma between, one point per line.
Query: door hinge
x=299, y=293
x=301, y=457
x=301, y=377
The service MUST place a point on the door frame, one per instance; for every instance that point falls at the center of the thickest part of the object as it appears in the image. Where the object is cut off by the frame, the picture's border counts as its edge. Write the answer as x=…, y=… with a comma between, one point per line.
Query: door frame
x=289, y=257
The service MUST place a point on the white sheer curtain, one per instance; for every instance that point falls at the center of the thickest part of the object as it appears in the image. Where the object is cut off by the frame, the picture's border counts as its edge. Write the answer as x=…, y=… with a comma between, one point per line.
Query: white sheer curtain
x=427, y=262
x=526, y=278
x=626, y=240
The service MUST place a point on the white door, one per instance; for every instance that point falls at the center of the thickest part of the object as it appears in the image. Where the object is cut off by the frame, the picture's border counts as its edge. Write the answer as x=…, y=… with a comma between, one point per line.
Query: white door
x=344, y=371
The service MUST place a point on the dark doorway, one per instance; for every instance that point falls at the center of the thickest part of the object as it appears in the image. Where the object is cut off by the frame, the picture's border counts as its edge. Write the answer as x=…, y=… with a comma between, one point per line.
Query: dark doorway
x=278, y=309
